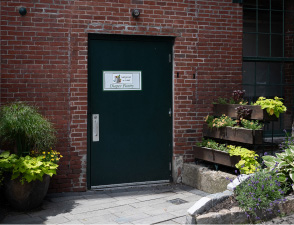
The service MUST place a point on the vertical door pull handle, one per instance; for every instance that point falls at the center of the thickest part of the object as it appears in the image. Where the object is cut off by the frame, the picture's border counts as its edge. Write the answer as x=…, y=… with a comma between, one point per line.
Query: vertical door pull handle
x=170, y=112
x=95, y=125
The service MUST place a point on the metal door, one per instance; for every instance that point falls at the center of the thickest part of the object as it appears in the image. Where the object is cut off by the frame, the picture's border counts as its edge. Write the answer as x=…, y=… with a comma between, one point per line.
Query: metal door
x=130, y=105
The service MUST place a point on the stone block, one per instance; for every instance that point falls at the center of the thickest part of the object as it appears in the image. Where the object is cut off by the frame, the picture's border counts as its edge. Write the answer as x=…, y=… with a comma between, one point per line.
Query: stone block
x=214, y=218
x=238, y=216
x=204, y=179
x=190, y=219
x=200, y=206
x=231, y=186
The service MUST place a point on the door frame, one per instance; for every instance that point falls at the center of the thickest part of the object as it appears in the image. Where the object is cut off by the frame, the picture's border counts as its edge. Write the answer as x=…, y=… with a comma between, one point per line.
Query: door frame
x=92, y=36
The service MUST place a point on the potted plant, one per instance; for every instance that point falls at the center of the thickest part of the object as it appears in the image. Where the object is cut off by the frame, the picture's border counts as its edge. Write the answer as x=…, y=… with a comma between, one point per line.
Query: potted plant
x=211, y=151
x=263, y=109
x=27, y=168
x=225, y=128
x=228, y=155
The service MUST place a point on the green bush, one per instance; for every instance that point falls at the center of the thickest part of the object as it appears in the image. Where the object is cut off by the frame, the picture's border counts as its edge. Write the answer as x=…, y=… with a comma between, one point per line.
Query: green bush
x=23, y=127
x=282, y=164
x=261, y=191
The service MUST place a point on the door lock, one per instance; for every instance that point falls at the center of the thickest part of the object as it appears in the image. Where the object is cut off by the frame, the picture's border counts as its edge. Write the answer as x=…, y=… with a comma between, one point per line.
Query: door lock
x=170, y=112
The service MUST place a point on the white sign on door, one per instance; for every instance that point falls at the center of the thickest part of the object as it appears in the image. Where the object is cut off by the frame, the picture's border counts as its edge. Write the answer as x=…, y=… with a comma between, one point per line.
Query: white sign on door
x=122, y=80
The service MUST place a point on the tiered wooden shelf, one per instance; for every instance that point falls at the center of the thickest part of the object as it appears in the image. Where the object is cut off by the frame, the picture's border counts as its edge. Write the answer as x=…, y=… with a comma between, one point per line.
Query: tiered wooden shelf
x=231, y=134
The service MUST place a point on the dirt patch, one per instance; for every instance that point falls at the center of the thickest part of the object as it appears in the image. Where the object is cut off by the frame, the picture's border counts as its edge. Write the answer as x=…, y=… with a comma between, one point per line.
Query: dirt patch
x=227, y=204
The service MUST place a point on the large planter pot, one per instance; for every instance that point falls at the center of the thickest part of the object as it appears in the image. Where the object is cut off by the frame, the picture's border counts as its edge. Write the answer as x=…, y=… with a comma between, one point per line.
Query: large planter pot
x=215, y=156
x=230, y=110
x=235, y=134
x=2, y=212
x=28, y=195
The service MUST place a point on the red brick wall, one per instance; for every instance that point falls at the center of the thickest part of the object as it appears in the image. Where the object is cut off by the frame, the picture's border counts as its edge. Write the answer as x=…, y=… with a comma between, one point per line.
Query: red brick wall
x=44, y=61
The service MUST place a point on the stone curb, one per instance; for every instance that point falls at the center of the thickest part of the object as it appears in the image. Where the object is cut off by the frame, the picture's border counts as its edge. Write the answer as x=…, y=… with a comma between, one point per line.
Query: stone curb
x=232, y=216
x=237, y=216
x=204, y=204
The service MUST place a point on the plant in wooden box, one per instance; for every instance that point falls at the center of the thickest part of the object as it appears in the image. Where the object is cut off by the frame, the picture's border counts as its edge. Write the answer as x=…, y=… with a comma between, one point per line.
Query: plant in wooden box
x=264, y=109
x=227, y=129
x=28, y=167
x=233, y=156
x=272, y=106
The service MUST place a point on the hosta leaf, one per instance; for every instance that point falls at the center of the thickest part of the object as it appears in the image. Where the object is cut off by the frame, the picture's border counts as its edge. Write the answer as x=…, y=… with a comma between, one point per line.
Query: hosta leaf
x=269, y=158
x=282, y=177
x=291, y=174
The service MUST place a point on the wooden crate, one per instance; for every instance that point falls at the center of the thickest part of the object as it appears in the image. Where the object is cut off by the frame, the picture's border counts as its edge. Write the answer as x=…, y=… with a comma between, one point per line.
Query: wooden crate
x=230, y=110
x=215, y=156
x=241, y=135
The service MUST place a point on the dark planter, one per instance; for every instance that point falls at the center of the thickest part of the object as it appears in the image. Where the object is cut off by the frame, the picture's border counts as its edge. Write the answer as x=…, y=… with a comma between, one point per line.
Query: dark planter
x=2, y=203
x=230, y=110
x=28, y=195
x=234, y=134
x=215, y=156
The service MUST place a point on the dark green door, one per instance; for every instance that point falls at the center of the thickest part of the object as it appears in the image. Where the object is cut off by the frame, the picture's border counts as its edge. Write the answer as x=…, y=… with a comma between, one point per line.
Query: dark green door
x=131, y=140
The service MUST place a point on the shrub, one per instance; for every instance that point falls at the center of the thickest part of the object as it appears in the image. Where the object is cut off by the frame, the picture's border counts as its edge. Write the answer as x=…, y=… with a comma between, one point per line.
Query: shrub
x=282, y=164
x=23, y=127
x=261, y=191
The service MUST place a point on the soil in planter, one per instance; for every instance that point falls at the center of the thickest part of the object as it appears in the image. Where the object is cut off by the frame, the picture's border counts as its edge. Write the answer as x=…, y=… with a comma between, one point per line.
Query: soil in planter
x=227, y=204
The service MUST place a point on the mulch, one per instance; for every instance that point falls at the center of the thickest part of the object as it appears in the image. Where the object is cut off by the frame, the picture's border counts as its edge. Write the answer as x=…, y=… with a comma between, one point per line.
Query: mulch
x=227, y=204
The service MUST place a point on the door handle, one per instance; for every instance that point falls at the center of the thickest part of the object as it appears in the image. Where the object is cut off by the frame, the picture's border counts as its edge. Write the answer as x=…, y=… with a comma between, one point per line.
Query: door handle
x=95, y=127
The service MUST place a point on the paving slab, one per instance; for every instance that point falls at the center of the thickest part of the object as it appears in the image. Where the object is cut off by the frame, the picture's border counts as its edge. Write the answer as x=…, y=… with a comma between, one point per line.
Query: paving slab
x=139, y=205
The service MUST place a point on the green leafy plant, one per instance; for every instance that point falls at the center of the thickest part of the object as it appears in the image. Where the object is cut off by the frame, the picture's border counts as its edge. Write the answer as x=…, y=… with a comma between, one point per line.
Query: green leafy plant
x=261, y=191
x=252, y=125
x=223, y=121
x=282, y=164
x=237, y=98
x=23, y=127
x=222, y=101
x=26, y=168
x=209, y=143
x=248, y=163
x=208, y=119
x=272, y=106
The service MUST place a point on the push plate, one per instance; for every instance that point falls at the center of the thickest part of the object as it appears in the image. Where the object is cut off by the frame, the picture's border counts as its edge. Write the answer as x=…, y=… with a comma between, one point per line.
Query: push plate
x=95, y=125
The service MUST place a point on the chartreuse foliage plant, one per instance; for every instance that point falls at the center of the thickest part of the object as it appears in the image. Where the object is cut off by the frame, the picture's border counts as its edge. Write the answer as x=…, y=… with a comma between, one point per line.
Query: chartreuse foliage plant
x=248, y=163
x=261, y=191
x=272, y=106
x=23, y=127
x=26, y=168
x=282, y=164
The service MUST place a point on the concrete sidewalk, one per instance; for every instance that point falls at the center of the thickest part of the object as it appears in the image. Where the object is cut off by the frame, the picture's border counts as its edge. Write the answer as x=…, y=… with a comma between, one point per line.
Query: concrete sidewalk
x=164, y=204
